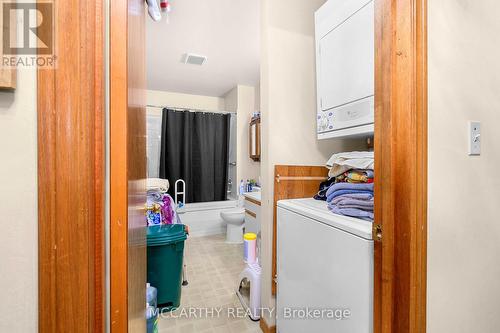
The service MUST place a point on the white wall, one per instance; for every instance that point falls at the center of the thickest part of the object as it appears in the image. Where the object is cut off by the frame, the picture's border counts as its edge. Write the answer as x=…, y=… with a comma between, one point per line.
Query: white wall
x=18, y=206
x=257, y=97
x=241, y=99
x=178, y=100
x=231, y=99
x=288, y=105
x=464, y=192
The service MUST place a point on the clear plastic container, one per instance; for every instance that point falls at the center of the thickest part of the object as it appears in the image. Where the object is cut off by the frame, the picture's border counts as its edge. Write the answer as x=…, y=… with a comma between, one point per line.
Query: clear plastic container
x=151, y=295
x=250, y=248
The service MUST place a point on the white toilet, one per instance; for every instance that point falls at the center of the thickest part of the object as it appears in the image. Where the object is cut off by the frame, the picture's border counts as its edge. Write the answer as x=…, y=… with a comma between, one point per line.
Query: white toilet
x=235, y=219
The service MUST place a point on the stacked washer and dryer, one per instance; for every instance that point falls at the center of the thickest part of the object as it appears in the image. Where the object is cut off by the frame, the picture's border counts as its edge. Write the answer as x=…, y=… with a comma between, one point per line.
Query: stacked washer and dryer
x=325, y=262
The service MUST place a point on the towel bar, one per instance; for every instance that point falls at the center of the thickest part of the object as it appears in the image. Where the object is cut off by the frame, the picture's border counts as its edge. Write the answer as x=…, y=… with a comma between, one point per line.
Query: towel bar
x=310, y=178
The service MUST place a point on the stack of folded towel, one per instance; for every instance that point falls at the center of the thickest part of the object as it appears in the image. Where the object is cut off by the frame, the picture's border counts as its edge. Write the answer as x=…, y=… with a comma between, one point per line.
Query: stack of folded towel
x=351, y=193
x=355, y=200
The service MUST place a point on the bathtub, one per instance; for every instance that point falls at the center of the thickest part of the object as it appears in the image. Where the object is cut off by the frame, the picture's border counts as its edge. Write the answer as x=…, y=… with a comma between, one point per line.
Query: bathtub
x=204, y=218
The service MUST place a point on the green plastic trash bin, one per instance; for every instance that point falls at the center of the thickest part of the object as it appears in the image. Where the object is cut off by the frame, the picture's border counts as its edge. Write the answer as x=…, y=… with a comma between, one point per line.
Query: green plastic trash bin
x=165, y=262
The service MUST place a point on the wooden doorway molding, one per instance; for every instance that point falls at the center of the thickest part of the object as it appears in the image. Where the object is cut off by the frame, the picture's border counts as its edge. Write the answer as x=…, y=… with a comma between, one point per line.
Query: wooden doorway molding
x=127, y=166
x=70, y=106
x=401, y=165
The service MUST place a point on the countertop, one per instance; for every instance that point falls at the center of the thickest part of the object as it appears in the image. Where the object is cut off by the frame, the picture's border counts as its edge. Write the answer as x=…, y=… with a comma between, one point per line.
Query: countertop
x=254, y=195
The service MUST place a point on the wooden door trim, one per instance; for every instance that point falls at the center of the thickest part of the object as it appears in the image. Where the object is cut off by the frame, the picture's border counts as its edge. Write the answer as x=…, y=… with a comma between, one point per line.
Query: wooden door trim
x=70, y=108
x=266, y=328
x=401, y=165
x=127, y=166
x=118, y=170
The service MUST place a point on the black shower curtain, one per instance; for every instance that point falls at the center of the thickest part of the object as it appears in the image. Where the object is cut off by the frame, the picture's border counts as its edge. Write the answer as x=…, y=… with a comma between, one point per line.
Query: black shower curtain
x=194, y=147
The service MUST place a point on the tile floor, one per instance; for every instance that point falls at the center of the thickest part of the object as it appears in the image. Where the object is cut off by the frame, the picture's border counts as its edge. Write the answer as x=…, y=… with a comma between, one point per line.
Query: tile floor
x=213, y=268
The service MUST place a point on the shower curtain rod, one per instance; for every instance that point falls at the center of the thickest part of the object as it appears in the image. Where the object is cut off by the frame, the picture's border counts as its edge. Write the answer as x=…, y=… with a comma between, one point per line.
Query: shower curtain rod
x=188, y=109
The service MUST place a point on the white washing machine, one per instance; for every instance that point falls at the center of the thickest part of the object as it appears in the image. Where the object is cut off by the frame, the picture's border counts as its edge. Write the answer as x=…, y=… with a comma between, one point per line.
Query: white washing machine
x=325, y=270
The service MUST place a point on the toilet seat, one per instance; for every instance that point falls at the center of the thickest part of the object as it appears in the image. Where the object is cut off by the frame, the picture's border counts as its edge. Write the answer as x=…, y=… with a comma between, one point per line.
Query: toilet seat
x=235, y=211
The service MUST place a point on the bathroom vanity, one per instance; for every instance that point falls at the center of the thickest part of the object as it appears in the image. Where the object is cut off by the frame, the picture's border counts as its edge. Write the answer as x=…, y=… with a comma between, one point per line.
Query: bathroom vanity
x=252, y=211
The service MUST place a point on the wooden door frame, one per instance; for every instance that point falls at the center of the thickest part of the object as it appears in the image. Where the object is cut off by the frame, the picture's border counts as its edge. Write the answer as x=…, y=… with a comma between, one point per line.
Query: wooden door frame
x=127, y=171
x=71, y=173
x=118, y=175
x=401, y=165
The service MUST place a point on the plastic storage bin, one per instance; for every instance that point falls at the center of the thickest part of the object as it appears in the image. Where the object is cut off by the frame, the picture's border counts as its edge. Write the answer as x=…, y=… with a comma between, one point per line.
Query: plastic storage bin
x=165, y=262
x=250, y=248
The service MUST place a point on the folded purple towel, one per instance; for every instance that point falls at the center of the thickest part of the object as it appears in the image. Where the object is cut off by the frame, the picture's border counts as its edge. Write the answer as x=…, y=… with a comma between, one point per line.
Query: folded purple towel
x=350, y=203
x=340, y=193
x=363, y=208
x=344, y=202
x=358, y=213
x=349, y=186
x=365, y=196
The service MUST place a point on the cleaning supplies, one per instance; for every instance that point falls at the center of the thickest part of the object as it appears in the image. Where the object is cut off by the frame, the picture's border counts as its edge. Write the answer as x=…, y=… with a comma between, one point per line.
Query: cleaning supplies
x=242, y=187
x=249, y=186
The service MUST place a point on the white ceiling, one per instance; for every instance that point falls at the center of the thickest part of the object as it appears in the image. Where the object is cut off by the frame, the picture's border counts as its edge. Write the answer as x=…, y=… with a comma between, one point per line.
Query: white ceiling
x=225, y=31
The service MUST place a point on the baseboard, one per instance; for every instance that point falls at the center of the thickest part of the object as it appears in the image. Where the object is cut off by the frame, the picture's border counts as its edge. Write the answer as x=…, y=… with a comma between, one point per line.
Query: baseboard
x=265, y=328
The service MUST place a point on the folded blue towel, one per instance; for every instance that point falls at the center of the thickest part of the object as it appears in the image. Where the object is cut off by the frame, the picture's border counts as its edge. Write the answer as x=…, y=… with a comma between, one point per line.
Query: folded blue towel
x=363, y=208
x=352, y=212
x=365, y=196
x=342, y=202
x=339, y=193
x=349, y=186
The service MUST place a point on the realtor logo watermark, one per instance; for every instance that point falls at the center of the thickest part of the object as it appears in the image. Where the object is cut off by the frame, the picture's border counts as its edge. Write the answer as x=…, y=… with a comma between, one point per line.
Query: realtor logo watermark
x=28, y=34
x=286, y=313
x=206, y=312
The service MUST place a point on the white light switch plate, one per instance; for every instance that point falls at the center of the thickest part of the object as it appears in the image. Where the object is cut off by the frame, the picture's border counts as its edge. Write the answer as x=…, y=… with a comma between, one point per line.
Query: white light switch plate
x=474, y=138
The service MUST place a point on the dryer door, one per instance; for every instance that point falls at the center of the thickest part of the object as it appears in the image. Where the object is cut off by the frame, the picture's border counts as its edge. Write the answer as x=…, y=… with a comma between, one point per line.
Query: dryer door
x=346, y=60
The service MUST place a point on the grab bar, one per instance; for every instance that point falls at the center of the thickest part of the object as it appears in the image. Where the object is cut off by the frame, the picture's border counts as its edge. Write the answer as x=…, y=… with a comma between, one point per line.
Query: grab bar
x=177, y=193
